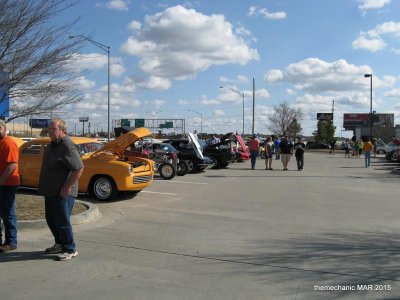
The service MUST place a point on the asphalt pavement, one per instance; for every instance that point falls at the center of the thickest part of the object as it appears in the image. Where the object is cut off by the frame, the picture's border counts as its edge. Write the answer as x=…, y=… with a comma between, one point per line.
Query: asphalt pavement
x=329, y=232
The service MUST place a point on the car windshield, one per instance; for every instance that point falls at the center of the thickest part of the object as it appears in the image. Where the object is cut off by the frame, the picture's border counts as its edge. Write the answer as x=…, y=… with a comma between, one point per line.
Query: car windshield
x=165, y=146
x=88, y=147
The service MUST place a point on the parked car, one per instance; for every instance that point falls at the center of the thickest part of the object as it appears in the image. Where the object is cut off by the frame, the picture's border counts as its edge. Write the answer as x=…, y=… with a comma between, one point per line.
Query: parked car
x=221, y=152
x=317, y=145
x=18, y=141
x=240, y=149
x=189, y=151
x=106, y=170
x=164, y=155
x=384, y=148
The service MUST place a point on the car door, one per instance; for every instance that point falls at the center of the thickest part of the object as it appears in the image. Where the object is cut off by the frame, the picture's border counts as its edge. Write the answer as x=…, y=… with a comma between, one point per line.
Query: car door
x=30, y=163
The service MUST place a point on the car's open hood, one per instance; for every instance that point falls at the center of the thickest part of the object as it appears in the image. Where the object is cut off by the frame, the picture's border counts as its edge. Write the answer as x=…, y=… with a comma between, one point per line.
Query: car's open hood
x=223, y=140
x=119, y=145
x=196, y=145
x=241, y=142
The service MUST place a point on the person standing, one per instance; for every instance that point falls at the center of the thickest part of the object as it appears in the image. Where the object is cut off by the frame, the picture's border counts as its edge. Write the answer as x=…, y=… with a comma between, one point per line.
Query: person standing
x=347, y=148
x=58, y=183
x=299, y=154
x=286, y=148
x=254, y=148
x=333, y=146
x=269, y=150
x=9, y=182
x=277, y=142
x=367, y=148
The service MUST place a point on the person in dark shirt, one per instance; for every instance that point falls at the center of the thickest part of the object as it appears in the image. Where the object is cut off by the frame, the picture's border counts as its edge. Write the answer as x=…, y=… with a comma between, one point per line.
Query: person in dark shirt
x=299, y=148
x=286, y=149
x=58, y=183
x=333, y=146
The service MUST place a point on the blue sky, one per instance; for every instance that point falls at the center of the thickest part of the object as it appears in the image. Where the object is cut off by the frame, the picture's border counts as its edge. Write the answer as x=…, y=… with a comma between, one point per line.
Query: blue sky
x=169, y=57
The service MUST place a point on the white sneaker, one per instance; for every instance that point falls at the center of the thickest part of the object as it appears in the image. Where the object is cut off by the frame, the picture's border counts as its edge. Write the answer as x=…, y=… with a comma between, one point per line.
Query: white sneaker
x=55, y=249
x=67, y=255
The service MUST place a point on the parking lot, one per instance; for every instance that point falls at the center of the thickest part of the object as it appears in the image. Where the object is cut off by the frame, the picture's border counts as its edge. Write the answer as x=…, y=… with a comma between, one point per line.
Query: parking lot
x=329, y=232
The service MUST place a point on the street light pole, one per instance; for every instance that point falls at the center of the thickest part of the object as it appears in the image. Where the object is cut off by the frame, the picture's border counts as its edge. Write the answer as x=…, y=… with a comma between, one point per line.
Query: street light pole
x=108, y=51
x=370, y=105
x=201, y=122
x=240, y=94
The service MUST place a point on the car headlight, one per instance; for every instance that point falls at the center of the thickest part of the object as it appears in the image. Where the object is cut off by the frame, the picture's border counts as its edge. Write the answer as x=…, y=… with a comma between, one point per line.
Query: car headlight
x=130, y=170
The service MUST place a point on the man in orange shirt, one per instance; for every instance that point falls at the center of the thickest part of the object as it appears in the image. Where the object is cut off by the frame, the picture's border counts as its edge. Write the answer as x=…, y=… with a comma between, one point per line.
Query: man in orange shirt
x=9, y=182
x=254, y=148
x=367, y=148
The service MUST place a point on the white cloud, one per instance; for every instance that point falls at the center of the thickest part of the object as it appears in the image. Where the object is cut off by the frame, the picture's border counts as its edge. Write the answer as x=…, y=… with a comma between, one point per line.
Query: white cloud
x=179, y=42
x=254, y=11
x=393, y=93
x=218, y=112
x=315, y=75
x=97, y=61
x=135, y=26
x=372, y=4
x=373, y=41
x=121, y=5
x=156, y=83
x=84, y=83
x=158, y=103
x=371, y=44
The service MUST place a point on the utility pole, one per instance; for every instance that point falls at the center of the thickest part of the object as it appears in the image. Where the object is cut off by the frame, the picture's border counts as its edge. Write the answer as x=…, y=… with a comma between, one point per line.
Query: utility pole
x=254, y=99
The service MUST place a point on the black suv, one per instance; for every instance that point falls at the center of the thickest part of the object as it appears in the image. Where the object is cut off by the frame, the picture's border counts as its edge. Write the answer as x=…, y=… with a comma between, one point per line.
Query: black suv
x=191, y=154
x=221, y=152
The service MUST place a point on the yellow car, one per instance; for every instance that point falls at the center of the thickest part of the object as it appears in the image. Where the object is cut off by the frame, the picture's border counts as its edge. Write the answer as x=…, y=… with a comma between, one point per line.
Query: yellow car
x=106, y=170
x=18, y=141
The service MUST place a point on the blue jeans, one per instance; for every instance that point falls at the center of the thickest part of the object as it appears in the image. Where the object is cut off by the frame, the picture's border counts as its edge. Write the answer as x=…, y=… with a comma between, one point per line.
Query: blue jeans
x=7, y=214
x=367, y=156
x=253, y=156
x=58, y=214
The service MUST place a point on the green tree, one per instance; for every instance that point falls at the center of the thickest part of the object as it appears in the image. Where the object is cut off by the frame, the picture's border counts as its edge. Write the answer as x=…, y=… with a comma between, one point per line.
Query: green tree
x=325, y=132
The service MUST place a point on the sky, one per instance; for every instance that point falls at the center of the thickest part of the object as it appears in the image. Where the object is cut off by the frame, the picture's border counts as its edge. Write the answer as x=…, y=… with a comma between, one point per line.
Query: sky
x=170, y=58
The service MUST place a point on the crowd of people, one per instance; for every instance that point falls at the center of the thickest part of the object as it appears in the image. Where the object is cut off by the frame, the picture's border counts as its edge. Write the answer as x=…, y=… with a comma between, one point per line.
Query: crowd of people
x=283, y=149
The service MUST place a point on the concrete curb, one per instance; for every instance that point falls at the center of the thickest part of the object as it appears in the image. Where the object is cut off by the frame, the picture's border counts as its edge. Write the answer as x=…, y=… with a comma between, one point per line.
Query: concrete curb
x=89, y=215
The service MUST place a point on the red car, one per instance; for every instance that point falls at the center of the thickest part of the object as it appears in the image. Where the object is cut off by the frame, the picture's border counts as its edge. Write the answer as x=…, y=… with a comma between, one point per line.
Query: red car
x=241, y=150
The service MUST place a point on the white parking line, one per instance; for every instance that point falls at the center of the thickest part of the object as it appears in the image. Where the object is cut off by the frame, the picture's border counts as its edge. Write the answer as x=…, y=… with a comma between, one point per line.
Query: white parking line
x=149, y=192
x=175, y=181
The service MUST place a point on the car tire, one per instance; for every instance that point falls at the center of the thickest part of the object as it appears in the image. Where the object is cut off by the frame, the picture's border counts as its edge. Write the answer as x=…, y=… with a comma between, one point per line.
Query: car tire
x=190, y=165
x=103, y=188
x=217, y=163
x=167, y=170
x=182, y=168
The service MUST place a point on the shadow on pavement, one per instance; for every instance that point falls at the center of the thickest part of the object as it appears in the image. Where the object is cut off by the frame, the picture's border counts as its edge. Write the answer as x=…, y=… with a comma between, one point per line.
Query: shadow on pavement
x=24, y=256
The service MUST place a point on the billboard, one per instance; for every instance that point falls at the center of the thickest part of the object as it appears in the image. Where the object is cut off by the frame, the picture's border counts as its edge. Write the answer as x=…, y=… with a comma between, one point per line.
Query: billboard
x=39, y=123
x=357, y=120
x=324, y=116
x=4, y=99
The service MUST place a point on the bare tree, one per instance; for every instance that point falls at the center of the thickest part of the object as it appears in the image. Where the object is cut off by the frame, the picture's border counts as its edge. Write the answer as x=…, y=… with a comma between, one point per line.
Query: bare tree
x=35, y=54
x=285, y=119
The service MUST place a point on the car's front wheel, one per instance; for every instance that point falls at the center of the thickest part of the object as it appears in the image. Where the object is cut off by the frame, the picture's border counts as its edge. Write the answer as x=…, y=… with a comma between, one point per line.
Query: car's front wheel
x=381, y=151
x=104, y=188
x=167, y=170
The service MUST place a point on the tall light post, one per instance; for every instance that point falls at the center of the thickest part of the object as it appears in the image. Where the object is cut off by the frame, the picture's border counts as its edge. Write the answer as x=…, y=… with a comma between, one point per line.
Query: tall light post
x=201, y=122
x=107, y=50
x=370, y=105
x=240, y=94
